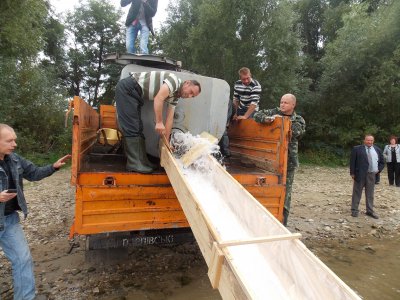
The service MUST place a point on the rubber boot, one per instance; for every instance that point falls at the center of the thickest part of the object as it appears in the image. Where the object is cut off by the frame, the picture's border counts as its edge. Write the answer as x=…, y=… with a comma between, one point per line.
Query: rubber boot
x=135, y=151
x=149, y=163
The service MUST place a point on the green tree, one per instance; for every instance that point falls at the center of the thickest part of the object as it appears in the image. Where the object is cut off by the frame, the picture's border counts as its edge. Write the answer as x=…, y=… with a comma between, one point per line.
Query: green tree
x=95, y=30
x=22, y=27
x=31, y=95
x=281, y=54
x=361, y=76
x=216, y=38
x=173, y=38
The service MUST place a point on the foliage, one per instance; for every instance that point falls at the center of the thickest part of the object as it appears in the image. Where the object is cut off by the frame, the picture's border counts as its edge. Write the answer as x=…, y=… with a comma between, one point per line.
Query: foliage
x=31, y=104
x=95, y=30
x=325, y=157
x=258, y=34
x=22, y=27
x=31, y=94
x=359, y=89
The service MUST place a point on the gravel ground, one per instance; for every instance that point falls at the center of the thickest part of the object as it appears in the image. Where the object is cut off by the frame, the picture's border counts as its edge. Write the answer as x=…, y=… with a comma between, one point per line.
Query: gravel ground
x=320, y=211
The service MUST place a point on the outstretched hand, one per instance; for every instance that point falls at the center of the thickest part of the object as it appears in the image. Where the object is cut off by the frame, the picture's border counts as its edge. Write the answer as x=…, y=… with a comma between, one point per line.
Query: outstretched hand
x=59, y=163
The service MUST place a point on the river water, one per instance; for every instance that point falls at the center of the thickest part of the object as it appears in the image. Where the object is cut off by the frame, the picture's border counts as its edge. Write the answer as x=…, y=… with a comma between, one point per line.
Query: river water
x=370, y=267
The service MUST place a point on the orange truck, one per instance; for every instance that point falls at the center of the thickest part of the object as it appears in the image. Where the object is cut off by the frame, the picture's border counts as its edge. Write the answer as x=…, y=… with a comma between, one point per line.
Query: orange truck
x=116, y=208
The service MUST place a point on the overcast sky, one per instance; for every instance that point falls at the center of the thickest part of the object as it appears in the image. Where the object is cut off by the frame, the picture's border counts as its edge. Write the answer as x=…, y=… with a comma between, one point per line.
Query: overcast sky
x=62, y=6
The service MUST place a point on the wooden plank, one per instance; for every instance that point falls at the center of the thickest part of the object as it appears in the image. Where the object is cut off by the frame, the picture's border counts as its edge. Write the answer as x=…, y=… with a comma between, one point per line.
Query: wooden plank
x=166, y=143
x=212, y=139
x=215, y=269
x=193, y=154
x=108, y=117
x=197, y=150
x=260, y=240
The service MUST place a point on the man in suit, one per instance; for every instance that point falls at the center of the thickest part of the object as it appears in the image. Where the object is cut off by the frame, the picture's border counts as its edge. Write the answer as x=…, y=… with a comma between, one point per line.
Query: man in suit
x=366, y=161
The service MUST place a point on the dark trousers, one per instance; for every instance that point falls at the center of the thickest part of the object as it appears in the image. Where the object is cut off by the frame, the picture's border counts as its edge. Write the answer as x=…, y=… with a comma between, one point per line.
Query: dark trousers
x=368, y=182
x=242, y=111
x=129, y=104
x=224, y=144
x=377, y=178
x=394, y=173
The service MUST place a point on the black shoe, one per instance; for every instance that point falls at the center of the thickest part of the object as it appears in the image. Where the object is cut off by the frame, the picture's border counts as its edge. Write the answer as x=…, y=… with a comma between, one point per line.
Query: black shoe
x=354, y=214
x=372, y=215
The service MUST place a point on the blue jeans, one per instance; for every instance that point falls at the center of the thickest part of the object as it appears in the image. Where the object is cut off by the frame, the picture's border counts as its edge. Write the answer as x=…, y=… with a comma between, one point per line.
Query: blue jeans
x=15, y=247
x=131, y=35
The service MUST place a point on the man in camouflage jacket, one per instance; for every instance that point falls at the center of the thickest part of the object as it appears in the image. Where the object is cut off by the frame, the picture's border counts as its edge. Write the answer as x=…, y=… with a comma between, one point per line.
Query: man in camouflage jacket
x=298, y=128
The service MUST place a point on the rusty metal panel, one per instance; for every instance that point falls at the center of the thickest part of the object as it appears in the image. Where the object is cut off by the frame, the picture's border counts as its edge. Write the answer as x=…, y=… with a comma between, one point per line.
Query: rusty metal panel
x=104, y=209
x=84, y=127
x=265, y=144
x=107, y=117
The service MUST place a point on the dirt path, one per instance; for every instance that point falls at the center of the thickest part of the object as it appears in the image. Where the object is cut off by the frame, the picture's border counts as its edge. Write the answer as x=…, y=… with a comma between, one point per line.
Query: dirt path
x=320, y=211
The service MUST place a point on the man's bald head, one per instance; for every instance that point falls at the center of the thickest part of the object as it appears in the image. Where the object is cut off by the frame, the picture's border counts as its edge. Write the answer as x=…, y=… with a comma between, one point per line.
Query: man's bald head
x=4, y=127
x=7, y=140
x=290, y=97
x=288, y=103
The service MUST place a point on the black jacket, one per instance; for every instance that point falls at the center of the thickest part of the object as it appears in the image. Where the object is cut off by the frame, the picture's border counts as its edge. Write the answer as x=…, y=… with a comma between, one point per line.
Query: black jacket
x=359, y=162
x=150, y=9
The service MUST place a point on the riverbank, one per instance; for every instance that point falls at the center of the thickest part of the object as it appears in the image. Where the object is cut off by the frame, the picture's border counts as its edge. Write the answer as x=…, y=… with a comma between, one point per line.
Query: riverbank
x=362, y=251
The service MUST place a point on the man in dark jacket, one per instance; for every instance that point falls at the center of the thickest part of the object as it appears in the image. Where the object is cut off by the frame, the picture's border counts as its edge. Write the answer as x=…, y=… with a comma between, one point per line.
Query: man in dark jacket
x=366, y=161
x=13, y=169
x=139, y=18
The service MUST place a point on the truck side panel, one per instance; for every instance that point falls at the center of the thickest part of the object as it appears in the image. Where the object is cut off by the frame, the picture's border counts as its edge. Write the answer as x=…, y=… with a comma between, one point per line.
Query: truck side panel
x=264, y=144
x=85, y=124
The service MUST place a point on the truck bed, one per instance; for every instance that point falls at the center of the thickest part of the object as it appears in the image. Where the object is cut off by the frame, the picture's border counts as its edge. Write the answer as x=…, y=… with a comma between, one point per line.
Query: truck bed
x=109, y=199
x=100, y=162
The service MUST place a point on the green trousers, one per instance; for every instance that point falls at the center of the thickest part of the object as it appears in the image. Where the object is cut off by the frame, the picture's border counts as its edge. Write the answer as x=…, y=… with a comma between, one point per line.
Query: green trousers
x=288, y=196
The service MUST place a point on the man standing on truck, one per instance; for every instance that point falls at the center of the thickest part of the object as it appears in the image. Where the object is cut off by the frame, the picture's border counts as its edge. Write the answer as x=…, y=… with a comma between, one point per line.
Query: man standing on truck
x=298, y=128
x=139, y=18
x=246, y=95
x=14, y=168
x=130, y=94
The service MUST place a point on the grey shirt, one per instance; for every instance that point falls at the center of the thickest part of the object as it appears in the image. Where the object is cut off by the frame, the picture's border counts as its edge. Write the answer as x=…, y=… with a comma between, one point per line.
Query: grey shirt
x=373, y=168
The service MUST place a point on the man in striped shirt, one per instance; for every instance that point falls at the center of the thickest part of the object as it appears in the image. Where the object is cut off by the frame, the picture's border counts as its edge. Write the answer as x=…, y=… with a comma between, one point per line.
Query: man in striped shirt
x=130, y=94
x=246, y=95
